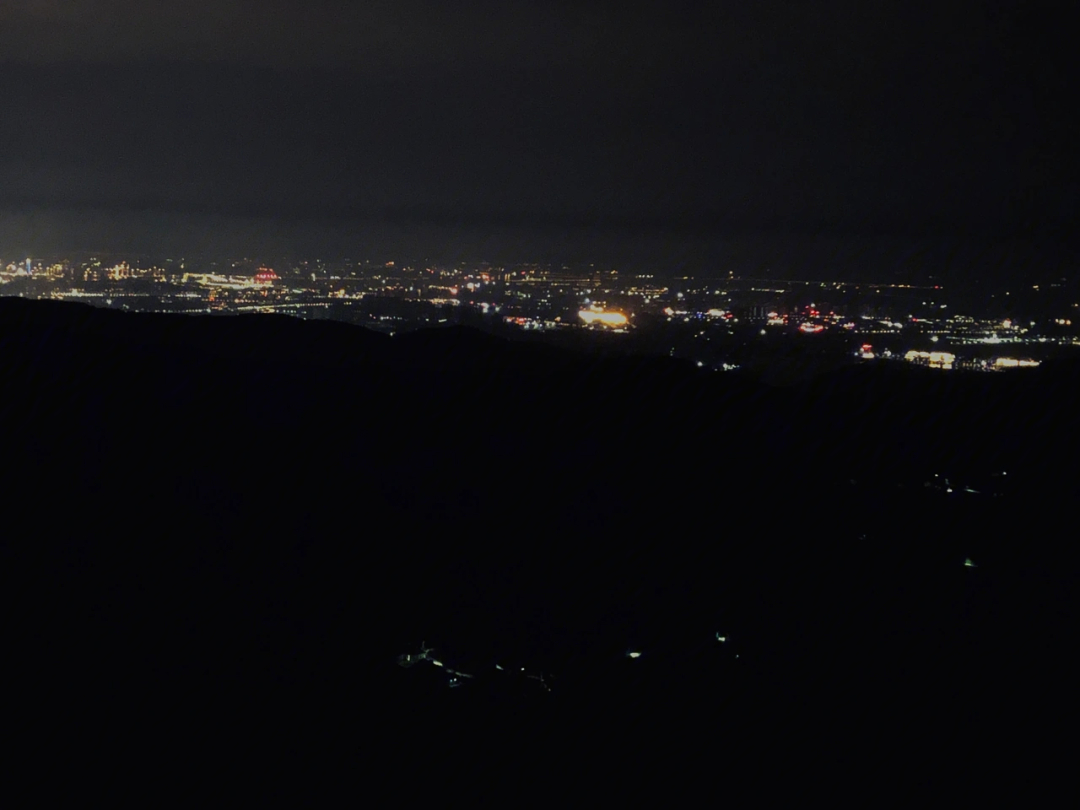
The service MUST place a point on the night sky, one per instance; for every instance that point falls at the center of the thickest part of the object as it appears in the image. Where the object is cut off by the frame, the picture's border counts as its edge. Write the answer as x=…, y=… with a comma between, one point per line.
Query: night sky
x=679, y=132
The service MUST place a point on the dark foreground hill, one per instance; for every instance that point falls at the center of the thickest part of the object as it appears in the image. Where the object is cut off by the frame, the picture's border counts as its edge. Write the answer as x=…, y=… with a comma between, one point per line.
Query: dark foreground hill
x=223, y=531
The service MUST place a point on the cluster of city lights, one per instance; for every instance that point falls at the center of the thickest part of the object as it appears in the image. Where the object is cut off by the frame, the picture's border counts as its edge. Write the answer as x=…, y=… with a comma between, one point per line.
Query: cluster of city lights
x=597, y=315
x=943, y=360
x=456, y=678
x=1011, y=362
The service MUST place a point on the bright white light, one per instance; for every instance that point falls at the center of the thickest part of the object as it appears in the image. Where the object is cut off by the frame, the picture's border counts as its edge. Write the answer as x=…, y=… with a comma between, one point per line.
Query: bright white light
x=699, y=364
x=721, y=638
x=436, y=663
x=634, y=655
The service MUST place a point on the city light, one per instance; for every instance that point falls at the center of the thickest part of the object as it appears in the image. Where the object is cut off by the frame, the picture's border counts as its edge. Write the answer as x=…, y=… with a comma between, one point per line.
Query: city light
x=530, y=300
x=943, y=360
x=1012, y=362
x=596, y=315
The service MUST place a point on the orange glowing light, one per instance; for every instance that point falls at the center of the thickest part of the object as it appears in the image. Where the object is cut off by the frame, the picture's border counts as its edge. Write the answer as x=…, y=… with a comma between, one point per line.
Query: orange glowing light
x=591, y=316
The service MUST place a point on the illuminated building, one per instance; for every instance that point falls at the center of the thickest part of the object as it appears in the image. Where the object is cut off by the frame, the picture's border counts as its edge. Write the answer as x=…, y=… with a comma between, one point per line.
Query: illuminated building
x=1012, y=362
x=942, y=360
x=118, y=272
x=550, y=279
x=265, y=276
x=598, y=316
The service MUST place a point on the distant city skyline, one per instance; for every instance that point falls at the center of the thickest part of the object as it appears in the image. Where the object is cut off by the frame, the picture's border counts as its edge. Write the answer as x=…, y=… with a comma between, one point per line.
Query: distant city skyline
x=959, y=260
x=764, y=323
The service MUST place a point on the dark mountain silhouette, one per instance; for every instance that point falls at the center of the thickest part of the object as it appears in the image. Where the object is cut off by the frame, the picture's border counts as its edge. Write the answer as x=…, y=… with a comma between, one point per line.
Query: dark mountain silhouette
x=239, y=523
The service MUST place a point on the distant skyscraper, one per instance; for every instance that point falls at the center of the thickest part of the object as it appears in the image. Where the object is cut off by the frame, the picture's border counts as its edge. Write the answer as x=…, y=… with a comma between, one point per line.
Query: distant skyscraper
x=27, y=267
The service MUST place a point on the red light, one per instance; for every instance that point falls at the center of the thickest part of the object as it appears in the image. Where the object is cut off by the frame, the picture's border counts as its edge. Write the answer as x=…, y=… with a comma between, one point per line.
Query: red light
x=866, y=347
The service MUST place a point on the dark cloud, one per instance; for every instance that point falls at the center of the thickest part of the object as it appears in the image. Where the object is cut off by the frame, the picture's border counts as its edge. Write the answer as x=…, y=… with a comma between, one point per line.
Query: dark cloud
x=686, y=120
x=376, y=34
